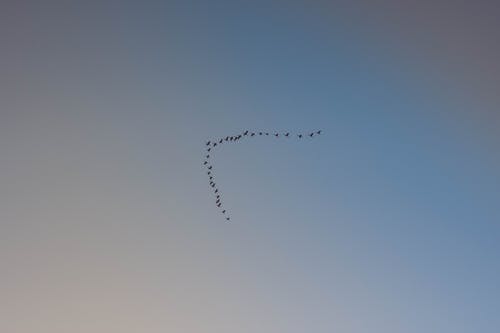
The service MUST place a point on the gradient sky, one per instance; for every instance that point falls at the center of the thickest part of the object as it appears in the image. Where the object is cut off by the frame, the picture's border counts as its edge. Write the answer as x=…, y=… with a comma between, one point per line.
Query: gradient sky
x=389, y=222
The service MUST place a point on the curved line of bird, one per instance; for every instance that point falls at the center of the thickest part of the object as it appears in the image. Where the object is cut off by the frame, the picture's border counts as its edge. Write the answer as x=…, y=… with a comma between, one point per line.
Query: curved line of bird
x=211, y=144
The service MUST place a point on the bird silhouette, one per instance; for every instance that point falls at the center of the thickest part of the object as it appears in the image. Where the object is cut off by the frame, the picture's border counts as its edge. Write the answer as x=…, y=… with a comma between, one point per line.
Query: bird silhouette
x=213, y=143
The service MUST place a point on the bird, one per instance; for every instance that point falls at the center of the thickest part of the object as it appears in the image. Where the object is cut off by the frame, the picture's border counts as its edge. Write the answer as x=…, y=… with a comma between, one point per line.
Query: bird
x=212, y=144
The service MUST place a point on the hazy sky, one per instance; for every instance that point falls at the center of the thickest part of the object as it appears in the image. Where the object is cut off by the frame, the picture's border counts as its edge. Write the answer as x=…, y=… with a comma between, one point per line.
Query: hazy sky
x=389, y=222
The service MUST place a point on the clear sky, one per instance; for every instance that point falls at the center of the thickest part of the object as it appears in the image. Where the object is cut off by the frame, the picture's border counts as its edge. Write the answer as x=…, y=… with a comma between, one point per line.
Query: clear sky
x=389, y=222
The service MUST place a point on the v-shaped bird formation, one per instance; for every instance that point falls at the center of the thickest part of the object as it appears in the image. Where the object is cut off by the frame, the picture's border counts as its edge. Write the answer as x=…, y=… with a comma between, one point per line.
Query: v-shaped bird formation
x=210, y=145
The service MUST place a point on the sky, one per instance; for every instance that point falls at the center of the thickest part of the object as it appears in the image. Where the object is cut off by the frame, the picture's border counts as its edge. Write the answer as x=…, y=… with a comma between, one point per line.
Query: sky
x=388, y=222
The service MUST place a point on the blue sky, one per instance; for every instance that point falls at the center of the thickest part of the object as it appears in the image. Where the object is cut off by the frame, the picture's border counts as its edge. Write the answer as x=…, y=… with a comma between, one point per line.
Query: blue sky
x=387, y=222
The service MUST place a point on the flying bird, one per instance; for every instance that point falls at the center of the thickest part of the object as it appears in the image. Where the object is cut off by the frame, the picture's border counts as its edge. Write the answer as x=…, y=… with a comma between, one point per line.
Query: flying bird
x=212, y=144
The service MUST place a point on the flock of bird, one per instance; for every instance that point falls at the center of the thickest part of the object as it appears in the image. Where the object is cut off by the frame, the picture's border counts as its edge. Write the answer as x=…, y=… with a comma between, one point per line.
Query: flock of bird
x=212, y=144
